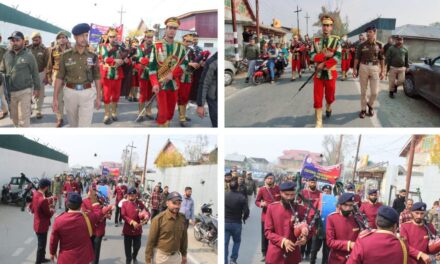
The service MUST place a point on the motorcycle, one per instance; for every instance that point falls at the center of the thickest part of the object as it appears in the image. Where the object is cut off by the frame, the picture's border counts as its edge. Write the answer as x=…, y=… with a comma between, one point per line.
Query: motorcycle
x=10, y=196
x=205, y=228
x=262, y=72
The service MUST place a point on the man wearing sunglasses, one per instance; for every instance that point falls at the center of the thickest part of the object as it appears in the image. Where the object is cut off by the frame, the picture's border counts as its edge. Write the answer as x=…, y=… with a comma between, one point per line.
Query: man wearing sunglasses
x=21, y=70
x=168, y=238
x=326, y=53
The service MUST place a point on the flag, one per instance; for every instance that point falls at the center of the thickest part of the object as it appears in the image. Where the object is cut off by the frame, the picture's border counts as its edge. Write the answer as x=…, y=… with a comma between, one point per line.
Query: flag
x=96, y=31
x=323, y=173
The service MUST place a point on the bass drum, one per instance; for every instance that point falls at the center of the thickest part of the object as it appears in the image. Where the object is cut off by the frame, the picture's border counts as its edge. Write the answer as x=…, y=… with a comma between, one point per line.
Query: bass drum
x=327, y=205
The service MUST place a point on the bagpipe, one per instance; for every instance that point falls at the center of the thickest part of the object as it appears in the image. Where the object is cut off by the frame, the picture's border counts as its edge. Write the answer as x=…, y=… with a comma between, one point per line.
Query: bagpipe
x=143, y=213
x=52, y=199
x=202, y=57
x=104, y=201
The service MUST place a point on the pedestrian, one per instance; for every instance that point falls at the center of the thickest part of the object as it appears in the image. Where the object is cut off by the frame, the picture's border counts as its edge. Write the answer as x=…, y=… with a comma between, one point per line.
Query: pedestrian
x=78, y=70
x=371, y=58
x=132, y=230
x=42, y=214
x=345, y=59
x=342, y=230
x=69, y=186
x=247, y=36
x=273, y=54
x=3, y=103
x=242, y=188
x=73, y=230
x=57, y=189
x=163, y=198
x=168, y=237
x=311, y=195
x=326, y=53
x=251, y=54
x=187, y=207
x=415, y=233
x=155, y=201
x=406, y=214
x=357, y=198
x=236, y=212
x=399, y=202
x=41, y=54
x=296, y=47
x=396, y=59
x=283, y=229
x=119, y=193
x=366, y=246
x=267, y=194
x=145, y=92
x=208, y=90
x=369, y=208
x=21, y=71
x=251, y=187
x=385, y=49
x=197, y=73
x=307, y=49
x=79, y=183
x=433, y=216
x=166, y=65
x=26, y=185
x=53, y=66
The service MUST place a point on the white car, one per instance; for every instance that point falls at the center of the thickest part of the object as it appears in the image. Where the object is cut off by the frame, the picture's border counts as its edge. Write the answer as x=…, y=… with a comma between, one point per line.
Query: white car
x=229, y=72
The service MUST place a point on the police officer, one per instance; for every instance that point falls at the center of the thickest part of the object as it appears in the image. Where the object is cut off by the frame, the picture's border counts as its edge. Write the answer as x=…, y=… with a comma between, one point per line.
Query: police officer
x=53, y=66
x=3, y=103
x=368, y=245
x=168, y=238
x=21, y=69
x=370, y=207
x=41, y=54
x=371, y=58
x=78, y=69
x=397, y=64
x=341, y=230
x=42, y=214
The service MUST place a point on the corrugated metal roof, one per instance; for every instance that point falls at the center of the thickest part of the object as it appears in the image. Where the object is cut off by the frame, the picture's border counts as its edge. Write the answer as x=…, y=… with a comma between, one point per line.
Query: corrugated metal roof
x=418, y=31
x=380, y=23
x=13, y=16
x=235, y=157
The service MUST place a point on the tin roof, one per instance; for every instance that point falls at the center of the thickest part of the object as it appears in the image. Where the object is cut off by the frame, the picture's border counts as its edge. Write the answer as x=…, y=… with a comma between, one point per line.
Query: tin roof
x=418, y=31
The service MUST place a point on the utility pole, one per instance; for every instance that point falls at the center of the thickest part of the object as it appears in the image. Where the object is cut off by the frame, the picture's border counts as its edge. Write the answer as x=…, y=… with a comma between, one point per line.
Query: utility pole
x=121, y=12
x=234, y=29
x=144, y=175
x=124, y=169
x=410, y=164
x=338, y=156
x=257, y=9
x=297, y=18
x=356, y=158
x=307, y=22
x=131, y=155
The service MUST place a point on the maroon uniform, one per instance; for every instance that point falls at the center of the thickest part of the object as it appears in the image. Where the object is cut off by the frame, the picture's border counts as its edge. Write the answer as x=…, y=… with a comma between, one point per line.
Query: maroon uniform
x=367, y=248
x=315, y=197
x=130, y=212
x=119, y=193
x=70, y=187
x=278, y=227
x=42, y=212
x=340, y=231
x=358, y=200
x=417, y=237
x=99, y=227
x=71, y=231
x=268, y=195
x=370, y=210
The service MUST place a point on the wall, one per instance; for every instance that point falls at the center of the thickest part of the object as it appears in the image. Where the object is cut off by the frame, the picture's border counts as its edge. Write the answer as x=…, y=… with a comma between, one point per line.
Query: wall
x=421, y=48
x=6, y=30
x=13, y=162
x=178, y=178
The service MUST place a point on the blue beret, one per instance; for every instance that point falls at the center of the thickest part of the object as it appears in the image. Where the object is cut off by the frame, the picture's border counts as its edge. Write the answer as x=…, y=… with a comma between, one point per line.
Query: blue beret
x=313, y=179
x=389, y=213
x=287, y=186
x=74, y=197
x=350, y=186
x=370, y=27
x=43, y=183
x=80, y=29
x=173, y=196
x=419, y=206
x=268, y=175
x=346, y=197
x=326, y=186
x=132, y=190
x=373, y=191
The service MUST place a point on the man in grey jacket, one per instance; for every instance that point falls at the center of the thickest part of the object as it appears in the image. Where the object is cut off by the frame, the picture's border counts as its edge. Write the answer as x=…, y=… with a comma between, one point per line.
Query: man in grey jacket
x=208, y=90
x=251, y=53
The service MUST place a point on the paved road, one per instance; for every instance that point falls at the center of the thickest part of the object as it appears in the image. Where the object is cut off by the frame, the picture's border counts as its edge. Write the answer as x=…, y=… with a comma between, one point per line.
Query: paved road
x=127, y=114
x=19, y=243
x=274, y=105
x=250, y=248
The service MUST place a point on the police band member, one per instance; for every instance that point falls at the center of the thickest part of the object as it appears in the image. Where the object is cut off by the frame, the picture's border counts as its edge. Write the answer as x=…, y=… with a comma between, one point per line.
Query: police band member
x=78, y=70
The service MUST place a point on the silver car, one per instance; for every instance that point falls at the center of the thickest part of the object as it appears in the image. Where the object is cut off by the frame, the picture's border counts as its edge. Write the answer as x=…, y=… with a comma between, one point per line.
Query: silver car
x=230, y=71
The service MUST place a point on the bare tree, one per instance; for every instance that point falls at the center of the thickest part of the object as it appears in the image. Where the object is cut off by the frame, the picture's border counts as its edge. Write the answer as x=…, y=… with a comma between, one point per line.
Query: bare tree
x=330, y=144
x=195, y=150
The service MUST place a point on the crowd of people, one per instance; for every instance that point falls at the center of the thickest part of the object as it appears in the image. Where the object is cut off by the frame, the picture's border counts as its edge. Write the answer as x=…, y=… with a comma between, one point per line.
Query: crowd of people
x=142, y=70
x=77, y=233
x=295, y=225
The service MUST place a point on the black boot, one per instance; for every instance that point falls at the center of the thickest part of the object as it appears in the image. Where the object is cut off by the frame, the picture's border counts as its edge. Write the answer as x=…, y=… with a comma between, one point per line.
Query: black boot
x=247, y=80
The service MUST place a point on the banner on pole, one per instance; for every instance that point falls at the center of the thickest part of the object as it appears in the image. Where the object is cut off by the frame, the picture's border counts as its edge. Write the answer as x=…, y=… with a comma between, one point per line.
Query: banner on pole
x=96, y=31
x=328, y=174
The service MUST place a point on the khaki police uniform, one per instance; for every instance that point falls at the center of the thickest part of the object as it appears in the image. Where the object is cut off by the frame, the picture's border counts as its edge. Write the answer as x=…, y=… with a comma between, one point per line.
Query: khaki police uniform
x=41, y=55
x=53, y=67
x=78, y=71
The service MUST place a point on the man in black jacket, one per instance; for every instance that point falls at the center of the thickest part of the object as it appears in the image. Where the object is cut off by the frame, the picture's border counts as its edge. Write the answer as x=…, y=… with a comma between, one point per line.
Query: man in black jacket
x=399, y=202
x=236, y=211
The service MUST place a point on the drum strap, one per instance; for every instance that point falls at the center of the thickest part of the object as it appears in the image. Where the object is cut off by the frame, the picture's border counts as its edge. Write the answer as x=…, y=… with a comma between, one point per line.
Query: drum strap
x=89, y=225
x=270, y=194
x=405, y=251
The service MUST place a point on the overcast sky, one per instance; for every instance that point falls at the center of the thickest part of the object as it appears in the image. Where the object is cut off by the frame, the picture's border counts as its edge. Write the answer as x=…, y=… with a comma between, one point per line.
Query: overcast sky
x=67, y=14
x=378, y=147
x=358, y=12
x=81, y=147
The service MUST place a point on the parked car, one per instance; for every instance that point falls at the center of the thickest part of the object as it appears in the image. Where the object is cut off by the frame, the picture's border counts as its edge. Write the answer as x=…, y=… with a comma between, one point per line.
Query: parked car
x=230, y=71
x=423, y=79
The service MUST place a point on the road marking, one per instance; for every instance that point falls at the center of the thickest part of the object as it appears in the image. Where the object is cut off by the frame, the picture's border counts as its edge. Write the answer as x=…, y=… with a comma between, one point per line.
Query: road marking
x=29, y=240
x=192, y=259
x=17, y=252
x=374, y=120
